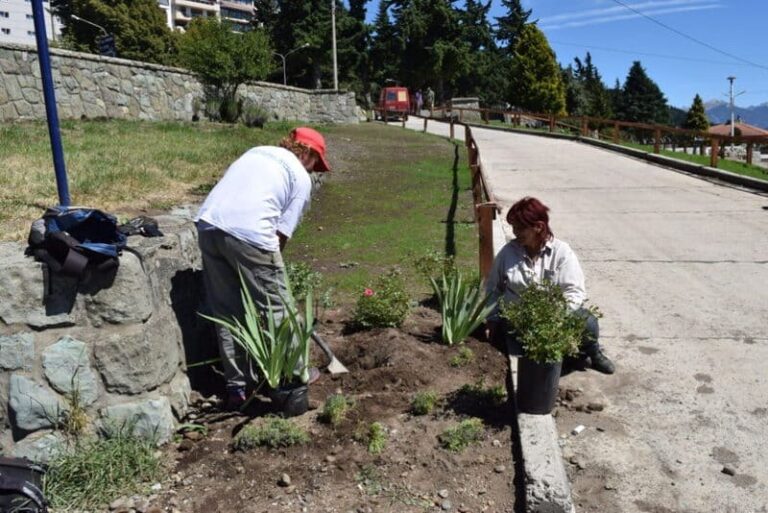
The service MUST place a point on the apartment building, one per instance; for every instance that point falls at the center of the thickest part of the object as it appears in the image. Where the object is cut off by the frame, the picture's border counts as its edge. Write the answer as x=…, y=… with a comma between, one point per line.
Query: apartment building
x=18, y=26
x=180, y=12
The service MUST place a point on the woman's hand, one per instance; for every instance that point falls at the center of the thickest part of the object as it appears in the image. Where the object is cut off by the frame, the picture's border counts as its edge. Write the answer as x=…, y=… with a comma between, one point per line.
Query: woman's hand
x=491, y=330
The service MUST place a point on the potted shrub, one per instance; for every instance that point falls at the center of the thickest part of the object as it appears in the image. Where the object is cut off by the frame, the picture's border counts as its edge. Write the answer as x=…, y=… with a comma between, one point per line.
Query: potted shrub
x=548, y=330
x=277, y=348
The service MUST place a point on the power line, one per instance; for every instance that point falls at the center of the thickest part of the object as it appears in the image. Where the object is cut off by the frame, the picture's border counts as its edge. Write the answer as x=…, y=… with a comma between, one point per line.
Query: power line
x=647, y=54
x=690, y=38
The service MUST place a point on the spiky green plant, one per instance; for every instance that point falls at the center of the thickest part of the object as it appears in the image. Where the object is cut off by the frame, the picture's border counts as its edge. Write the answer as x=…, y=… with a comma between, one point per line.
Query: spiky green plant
x=276, y=347
x=377, y=438
x=463, y=305
x=463, y=357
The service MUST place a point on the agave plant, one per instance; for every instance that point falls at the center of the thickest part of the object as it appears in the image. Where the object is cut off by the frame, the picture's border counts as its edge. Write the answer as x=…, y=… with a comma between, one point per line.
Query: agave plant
x=463, y=304
x=276, y=347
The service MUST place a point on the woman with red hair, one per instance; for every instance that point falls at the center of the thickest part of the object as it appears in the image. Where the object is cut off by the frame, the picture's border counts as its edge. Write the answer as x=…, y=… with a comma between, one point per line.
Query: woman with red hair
x=533, y=256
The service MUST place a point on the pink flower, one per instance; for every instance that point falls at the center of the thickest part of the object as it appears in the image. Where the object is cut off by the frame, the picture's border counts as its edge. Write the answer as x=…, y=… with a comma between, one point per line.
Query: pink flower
x=368, y=292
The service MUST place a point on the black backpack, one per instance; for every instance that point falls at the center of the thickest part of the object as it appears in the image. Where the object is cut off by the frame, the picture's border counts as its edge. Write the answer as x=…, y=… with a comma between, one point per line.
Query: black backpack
x=21, y=484
x=69, y=239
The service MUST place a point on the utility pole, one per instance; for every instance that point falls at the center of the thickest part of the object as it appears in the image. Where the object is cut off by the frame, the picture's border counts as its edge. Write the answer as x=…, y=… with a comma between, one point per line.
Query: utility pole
x=333, y=40
x=733, y=107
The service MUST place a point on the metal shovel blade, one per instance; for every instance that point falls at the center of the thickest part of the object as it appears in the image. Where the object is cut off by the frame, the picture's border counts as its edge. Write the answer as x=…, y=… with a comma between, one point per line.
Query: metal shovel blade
x=335, y=367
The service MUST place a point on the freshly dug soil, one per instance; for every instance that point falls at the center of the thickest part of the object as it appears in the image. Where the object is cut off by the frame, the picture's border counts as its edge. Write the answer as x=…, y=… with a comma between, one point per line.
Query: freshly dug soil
x=336, y=473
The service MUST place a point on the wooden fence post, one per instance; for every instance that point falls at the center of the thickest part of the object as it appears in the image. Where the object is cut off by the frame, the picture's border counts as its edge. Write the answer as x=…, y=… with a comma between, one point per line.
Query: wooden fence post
x=583, y=126
x=425, y=124
x=487, y=116
x=750, y=147
x=485, y=215
x=551, y=123
x=657, y=140
x=451, y=124
x=715, y=152
x=403, y=117
x=616, y=133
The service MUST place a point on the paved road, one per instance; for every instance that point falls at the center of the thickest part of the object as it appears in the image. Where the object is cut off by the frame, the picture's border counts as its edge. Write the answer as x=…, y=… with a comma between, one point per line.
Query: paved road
x=679, y=266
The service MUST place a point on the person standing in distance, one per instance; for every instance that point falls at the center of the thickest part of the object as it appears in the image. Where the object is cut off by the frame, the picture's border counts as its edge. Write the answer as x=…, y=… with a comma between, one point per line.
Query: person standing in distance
x=243, y=227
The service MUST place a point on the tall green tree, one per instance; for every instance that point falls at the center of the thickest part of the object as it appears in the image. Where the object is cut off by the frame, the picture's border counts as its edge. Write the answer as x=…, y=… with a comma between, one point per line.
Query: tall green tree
x=536, y=82
x=386, y=47
x=696, y=119
x=597, y=98
x=139, y=28
x=224, y=59
x=641, y=98
x=433, y=50
x=510, y=25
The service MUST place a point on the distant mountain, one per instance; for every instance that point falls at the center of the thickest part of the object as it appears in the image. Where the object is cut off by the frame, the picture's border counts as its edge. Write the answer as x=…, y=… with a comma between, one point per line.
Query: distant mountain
x=718, y=112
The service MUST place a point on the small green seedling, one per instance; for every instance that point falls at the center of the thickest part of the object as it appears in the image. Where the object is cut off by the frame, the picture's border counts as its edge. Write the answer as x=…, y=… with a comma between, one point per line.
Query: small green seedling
x=375, y=436
x=465, y=356
x=493, y=395
x=336, y=409
x=423, y=403
x=274, y=432
x=460, y=436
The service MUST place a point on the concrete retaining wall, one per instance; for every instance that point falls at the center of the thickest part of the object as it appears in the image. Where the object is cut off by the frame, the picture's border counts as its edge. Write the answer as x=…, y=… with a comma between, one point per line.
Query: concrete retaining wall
x=91, y=86
x=120, y=341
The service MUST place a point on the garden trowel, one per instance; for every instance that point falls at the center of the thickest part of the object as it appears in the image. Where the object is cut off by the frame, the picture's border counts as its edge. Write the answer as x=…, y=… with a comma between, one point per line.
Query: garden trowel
x=335, y=367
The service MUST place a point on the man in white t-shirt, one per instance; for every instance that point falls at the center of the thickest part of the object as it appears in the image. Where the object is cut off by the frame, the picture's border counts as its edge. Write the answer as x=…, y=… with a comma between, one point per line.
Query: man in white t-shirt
x=244, y=224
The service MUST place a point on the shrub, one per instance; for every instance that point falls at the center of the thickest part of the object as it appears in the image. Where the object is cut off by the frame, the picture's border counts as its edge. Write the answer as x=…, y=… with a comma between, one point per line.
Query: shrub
x=460, y=436
x=423, y=403
x=433, y=264
x=254, y=116
x=464, y=357
x=302, y=279
x=336, y=409
x=273, y=432
x=98, y=470
x=463, y=305
x=386, y=304
x=544, y=324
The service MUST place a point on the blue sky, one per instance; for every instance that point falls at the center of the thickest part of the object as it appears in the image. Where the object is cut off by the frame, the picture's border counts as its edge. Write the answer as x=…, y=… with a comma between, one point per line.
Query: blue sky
x=616, y=36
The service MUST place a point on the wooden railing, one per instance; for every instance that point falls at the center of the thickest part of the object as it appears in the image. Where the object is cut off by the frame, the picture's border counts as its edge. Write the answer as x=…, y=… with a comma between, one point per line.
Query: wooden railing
x=484, y=201
x=616, y=131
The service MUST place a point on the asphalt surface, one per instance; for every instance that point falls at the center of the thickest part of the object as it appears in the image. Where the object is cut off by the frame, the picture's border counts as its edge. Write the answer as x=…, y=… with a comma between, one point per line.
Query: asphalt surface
x=679, y=267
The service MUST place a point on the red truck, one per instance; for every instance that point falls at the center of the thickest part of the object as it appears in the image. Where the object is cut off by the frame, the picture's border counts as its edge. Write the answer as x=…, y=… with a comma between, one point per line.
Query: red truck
x=394, y=103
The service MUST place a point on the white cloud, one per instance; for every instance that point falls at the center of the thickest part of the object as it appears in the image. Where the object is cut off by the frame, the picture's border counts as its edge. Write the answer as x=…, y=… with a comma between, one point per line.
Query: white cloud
x=618, y=13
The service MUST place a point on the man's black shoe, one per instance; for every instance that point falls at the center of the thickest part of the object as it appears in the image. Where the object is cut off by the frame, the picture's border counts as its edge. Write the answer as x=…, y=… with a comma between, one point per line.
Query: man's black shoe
x=601, y=363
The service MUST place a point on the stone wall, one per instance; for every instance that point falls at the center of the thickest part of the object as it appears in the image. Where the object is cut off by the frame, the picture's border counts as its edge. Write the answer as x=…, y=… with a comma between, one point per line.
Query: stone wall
x=92, y=86
x=120, y=341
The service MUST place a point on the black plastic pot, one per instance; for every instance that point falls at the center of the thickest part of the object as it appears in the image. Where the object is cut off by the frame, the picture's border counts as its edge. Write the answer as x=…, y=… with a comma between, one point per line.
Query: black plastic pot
x=291, y=400
x=537, y=386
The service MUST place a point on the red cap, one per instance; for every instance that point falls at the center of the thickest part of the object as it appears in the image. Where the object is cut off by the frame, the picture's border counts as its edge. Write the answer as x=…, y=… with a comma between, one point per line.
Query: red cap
x=314, y=140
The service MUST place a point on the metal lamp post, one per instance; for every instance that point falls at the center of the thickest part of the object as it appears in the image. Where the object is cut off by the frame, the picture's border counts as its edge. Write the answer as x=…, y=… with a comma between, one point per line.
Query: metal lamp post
x=283, y=57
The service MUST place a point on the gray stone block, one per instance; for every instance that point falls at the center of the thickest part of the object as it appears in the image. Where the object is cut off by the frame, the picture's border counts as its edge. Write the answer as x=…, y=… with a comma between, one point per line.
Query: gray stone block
x=150, y=419
x=22, y=292
x=547, y=489
x=179, y=392
x=140, y=358
x=129, y=298
x=34, y=406
x=17, y=351
x=40, y=447
x=67, y=368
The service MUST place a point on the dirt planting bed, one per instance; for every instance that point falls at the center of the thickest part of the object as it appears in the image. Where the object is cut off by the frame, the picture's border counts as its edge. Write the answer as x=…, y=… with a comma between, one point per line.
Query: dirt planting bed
x=334, y=471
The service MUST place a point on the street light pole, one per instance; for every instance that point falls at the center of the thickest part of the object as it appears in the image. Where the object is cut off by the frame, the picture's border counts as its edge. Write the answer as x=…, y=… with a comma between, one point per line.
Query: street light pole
x=78, y=18
x=283, y=57
x=333, y=39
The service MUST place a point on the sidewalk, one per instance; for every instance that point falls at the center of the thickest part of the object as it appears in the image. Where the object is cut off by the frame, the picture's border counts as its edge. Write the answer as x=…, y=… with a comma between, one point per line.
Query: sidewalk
x=678, y=265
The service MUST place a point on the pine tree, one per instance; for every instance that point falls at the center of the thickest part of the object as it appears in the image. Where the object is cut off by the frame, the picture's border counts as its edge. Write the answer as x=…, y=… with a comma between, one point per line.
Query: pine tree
x=510, y=26
x=696, y=118
x=641, y=99
x=536, y=82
